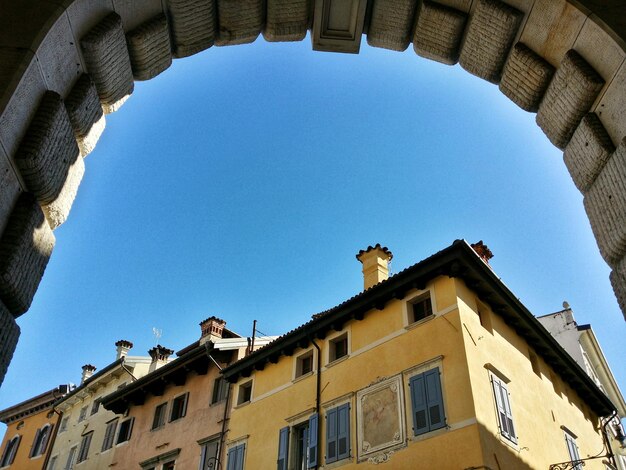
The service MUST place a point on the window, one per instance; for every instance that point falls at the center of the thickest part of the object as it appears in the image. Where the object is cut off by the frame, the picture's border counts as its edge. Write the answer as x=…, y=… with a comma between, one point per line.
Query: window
x=338, y=347
x=83, y=414
x=220, y=390
x=9, y=451
x=235, y=457
x=303, y=448
x=69, y=464
x=63, y=426
x=42, y=436
x=304, y=364
x=427, y=402
x=169, y=465
x=126, y=429
x=179, y=407
x=572, y=448
x=52, y=465
x=503, y=404
x=159, y=416
x=84, y=447
x=421, y=307
x=109, y=434
x=209, y=455
x=245, y=393
x=95, y=407
x=338, y=433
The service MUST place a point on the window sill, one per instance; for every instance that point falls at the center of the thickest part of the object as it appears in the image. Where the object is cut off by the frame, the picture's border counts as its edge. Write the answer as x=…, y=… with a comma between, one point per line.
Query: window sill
x=338, y=463
x=241, y=405
x=429, y=434
x=337, y=361
x=415, y=324
x=158, y=428
x=302, y=377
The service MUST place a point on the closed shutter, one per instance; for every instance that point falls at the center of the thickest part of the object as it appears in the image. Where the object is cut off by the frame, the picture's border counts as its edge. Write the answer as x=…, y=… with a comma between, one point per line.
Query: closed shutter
x=35, y=445
x=232, y=457
x=434, y=400
x=240, y=451
x=419, y=404
x=331, y=435
x=313, y=447
x=109, y=435
x=343, y=431
x=283, y=445
x=235, y=457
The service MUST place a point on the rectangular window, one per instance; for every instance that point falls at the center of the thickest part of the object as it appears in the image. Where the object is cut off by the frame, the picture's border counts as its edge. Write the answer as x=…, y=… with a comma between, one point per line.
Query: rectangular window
x=297, y=447
x=245, y=393
x=179, y=407
x=421, y=308
x=95, y=407
x=8, y=456
x=83, y=414
x=126, y=429
x=503, y=404
x=109, y=435
x=169, y=465
x=210, y=455
x=338, y=347
x=235, y=457
x=427, y=402
x=63, y=426
x=84, y=447
x=159, y=416
x=220, y=390
x=338, y=433
x=52, y=465
x=69, y=464
x=304, y=364
x=572, y=448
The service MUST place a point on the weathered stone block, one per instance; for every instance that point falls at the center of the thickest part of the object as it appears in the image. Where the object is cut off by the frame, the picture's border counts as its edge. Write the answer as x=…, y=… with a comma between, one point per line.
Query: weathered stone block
x=568, y=98
x=391, y=23
x=240, y=21
x=193, y=24
x=85, y=113
x=9, y=189
x=605, y=204
x=25, y=248
x=149, y=48
x=490, y=34
x=9, y=334
x=58, y=210
x=618, y=282
x=588, y=151
x=47, y=150
x=525, y=78
x=438, y=32
x=287, y=20
x=108, y=63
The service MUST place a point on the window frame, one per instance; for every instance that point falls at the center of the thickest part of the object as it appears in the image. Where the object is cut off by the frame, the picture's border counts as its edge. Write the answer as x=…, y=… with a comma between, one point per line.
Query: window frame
x=95, y=407
x=204, y=458
x=502, y=402
x=236, y=456
x=160, y=412
x=126, y=437
x=572, y=448
x=182, y=409
x=298, y=363
x=82, y=416
x=288, y=443
x=63, y=424
x=331, y=354
x=10, y=451
x=220, y=390
x=335, y=413
x=423, y=397
x=247, y=385
x=40, y=442
x=407, y=307
x=53, y=462
x=109, y=435
x=71, y=458
x=85, y=444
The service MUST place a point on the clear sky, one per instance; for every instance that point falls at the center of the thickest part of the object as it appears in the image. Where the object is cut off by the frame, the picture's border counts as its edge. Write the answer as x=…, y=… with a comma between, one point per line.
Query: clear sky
x=241, y=183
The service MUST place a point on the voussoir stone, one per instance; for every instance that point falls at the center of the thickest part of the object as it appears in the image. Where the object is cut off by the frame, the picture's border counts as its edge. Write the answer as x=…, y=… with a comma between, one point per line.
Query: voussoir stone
x=438, y=32
x=618, y=282
x=149, y=48
x=193, y=24
x=287, y=20
x=240, y=21
x=25, y=248
x=9, y=334
x=391, y=23
x=86, y=114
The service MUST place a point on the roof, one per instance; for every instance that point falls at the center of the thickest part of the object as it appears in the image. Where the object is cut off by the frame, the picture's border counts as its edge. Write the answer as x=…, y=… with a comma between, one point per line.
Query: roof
x=458, y=260
x=32, y=405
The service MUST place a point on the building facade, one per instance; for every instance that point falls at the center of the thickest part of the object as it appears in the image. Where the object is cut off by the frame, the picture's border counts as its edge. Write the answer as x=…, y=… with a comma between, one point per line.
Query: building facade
x=31, y=427
x=83, y=439
x=439, y=366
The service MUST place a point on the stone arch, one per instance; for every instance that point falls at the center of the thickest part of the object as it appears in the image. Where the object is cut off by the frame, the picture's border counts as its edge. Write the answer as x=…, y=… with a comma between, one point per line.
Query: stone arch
x=68, y=63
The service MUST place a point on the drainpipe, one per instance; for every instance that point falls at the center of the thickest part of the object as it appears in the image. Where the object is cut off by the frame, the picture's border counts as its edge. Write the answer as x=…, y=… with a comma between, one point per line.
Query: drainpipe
x=55, y=431
x=317, y=399
x=225, y=417
x=128, y=371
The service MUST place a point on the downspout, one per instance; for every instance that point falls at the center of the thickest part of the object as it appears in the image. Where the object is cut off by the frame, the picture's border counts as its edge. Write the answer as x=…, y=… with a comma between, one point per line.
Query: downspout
x=225, y=417
x=317, y=400
x=128, y=371
x=55, y=431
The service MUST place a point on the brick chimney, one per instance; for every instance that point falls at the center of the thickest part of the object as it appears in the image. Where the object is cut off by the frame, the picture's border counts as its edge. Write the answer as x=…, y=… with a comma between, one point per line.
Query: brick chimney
x=482, y=251
x=212, y=329
x=123, y=347
x=88, y=371
x=159, y=355
x=375, y=260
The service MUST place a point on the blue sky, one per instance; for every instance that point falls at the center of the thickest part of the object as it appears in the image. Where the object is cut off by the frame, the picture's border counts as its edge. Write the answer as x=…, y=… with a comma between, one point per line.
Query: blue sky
x=242, y=181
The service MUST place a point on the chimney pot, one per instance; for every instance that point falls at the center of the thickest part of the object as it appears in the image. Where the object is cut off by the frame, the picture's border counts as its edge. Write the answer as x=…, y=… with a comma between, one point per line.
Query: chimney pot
x=160, y=355
x=123, y=347
x=211, y=329
x=482, y=251
x=88, y=371
x=375, y=260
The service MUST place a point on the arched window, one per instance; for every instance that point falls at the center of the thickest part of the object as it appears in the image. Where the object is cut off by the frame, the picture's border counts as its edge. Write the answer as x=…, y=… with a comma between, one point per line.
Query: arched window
x=9, y=451
x=41, y=441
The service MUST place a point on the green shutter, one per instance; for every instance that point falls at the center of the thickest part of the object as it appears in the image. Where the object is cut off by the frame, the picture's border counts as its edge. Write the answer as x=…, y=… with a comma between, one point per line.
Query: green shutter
x=283, y=445
x=313, y=447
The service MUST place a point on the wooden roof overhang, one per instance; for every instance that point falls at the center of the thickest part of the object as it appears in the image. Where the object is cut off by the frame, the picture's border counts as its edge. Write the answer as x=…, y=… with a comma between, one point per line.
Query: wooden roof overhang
x=458, y=260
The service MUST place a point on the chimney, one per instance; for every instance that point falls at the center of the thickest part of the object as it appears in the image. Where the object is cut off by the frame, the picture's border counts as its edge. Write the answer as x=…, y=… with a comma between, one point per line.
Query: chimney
x=159, y=355
x=375, y=262
x=482, y=251
x=88, y=371
x=123, y=347
x=212, y=329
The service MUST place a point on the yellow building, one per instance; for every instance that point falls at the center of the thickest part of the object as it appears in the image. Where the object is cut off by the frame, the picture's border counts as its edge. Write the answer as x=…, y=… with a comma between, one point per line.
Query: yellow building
x=31, y=427
x=437, y=367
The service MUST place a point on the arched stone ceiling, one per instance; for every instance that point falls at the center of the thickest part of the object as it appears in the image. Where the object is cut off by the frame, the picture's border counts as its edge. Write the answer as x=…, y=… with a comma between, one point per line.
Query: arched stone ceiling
x=68, y=63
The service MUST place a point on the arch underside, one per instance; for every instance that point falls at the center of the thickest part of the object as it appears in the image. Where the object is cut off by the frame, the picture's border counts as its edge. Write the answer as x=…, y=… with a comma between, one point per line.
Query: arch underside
x=68, y=63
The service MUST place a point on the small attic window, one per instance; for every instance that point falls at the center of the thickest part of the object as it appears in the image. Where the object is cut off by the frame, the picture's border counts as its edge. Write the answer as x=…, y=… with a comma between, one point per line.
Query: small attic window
x=338, y=347
x=421, y=308
x=245, y=393
x=304, y=364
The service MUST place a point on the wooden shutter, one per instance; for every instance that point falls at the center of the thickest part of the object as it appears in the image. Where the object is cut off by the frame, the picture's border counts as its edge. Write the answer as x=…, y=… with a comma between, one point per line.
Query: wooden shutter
x=283, y=445
x=434, y=400
x=509, y=415
x=240, y=450
x=331, y=435
x=343, y=431
x=33, y=448
x=313, y=447
x=184, y=410
x=505, y=418
x=419, y=404
x=232, y=457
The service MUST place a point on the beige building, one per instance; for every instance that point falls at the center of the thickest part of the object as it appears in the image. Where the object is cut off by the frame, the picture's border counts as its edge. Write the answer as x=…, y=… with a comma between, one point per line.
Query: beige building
x=82, y=440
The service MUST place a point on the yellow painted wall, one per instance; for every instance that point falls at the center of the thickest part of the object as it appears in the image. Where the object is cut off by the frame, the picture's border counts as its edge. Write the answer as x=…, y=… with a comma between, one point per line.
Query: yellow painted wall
x=31, y=424
x=538, y=411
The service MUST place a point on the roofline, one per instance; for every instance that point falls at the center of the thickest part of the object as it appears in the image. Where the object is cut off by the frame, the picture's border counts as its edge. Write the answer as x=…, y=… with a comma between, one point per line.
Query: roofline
x=41, y=401
x=458, y=260
x=98, y=375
